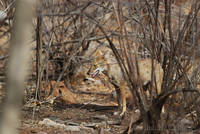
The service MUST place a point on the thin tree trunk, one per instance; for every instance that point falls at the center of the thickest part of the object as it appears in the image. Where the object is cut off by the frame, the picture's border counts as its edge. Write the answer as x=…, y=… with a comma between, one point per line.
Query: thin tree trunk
x=17, y=67
x=39, y=69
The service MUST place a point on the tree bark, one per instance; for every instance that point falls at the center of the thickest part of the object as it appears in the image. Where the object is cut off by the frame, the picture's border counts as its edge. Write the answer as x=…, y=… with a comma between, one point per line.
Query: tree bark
x=17, y=67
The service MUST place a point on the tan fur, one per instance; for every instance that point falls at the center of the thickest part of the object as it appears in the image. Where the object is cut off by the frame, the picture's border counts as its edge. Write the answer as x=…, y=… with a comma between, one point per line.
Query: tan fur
x=145, y=69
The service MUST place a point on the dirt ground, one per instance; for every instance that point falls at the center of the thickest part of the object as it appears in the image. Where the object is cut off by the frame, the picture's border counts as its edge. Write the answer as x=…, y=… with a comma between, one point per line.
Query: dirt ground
x=60, y=118
x=78, y=119
x=87, y=112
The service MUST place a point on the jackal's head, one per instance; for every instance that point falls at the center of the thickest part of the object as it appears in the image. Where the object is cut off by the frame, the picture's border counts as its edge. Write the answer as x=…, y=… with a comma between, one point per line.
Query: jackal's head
x=105, y=63
x=99, y=64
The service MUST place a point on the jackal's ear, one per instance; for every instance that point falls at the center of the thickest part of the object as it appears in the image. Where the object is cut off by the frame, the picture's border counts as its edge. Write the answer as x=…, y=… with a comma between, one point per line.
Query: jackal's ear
x=98, y=55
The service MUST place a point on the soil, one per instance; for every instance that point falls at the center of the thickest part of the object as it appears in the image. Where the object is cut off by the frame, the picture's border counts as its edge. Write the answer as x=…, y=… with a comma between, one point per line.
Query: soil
x=89, y=118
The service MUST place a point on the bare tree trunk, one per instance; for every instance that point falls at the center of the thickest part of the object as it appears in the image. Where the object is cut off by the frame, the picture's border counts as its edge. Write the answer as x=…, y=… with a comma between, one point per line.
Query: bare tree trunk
x=39, y=69
x=17, y=67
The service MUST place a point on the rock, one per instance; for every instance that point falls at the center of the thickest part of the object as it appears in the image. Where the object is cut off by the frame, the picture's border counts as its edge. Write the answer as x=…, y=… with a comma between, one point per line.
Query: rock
x=72, y=128
x=48, y=122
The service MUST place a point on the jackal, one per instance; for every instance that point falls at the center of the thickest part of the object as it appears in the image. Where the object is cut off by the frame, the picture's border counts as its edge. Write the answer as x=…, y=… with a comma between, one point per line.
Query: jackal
x=107, y=62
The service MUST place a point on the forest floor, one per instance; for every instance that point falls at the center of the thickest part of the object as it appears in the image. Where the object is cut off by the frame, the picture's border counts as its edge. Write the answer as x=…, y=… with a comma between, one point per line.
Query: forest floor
x=72, y=119
x=88, y=112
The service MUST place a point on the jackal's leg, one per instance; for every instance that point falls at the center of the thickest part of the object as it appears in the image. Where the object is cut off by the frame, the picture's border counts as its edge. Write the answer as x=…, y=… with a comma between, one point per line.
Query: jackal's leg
x=123, y=97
